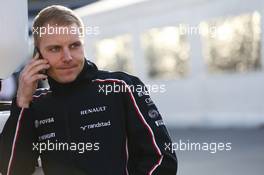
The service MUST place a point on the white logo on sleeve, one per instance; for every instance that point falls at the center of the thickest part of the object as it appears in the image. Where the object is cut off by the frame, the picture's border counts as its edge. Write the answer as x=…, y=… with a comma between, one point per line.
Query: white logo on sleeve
x=153, y=113
x=159, y=123
x=143, y=93
x=149, y=101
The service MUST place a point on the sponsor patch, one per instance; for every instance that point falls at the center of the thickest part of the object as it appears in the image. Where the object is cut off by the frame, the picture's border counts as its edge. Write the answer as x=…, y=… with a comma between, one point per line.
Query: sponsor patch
x=47, y=136
x=96, y=125
x=43, y=122
x=159, y=123
x=143, y=93
x=149, y=101
x=153, y=113
x=93, y=110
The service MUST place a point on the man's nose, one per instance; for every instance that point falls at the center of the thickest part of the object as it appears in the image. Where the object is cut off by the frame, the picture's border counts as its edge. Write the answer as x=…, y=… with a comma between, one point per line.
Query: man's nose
x=66, y=55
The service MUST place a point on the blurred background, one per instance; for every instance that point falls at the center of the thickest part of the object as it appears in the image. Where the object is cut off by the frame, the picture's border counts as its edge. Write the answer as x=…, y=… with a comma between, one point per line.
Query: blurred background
x=207, y=54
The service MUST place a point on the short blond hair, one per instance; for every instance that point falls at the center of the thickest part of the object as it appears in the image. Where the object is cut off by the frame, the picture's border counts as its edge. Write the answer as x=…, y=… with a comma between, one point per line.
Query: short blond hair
x=57, y=15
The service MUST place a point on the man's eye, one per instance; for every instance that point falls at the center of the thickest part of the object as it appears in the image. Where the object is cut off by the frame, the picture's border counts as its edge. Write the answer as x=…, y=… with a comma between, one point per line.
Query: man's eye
x=75, y=45
x=54, y=49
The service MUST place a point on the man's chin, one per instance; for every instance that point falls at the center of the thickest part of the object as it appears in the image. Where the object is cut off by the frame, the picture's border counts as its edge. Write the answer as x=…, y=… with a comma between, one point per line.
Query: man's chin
x=64, y=79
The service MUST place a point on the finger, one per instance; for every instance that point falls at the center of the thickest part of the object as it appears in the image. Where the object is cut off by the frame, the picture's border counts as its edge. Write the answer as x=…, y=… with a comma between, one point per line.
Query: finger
x=26, y=71
x=29, y=80
x=37, y=77
x=34, y=63
x=37, y=69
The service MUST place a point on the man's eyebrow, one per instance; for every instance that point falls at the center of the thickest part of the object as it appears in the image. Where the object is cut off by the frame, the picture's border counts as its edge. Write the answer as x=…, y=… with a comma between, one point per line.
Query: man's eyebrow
x=76, y=42
x=57, y=45
x=52, y=46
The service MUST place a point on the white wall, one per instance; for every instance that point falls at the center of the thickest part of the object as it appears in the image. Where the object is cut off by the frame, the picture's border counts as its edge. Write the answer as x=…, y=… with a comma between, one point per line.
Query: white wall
x=14, y=36
x=200, y=99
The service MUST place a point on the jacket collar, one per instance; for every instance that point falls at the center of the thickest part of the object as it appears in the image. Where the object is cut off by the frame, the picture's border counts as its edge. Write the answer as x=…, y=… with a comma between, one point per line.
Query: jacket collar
x=88, y=73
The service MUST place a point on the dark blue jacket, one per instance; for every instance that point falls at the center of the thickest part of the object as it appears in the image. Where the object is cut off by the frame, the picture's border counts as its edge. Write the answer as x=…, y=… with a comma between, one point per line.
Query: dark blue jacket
x=103, y=123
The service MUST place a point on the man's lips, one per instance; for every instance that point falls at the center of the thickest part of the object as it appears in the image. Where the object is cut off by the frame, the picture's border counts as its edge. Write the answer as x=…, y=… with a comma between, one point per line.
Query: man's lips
x=66, y=68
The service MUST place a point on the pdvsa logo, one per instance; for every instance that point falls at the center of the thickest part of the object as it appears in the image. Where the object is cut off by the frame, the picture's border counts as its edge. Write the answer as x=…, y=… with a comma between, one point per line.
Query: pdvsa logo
x=43, y=122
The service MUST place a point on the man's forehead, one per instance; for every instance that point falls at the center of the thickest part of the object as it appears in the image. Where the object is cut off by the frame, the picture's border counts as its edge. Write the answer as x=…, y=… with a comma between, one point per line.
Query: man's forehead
x=59, y=35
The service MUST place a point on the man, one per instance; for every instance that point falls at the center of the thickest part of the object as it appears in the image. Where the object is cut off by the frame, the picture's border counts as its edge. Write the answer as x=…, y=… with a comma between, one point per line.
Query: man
x=75, y=126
